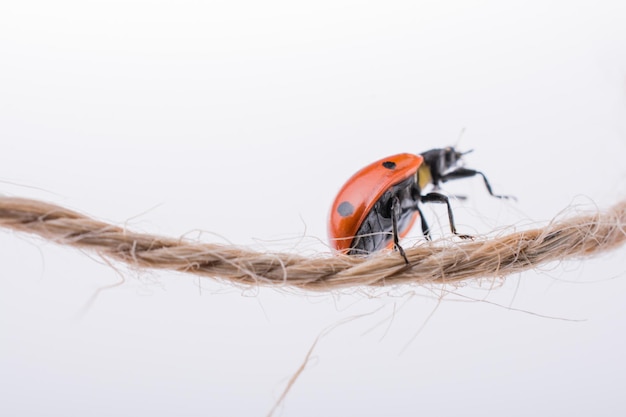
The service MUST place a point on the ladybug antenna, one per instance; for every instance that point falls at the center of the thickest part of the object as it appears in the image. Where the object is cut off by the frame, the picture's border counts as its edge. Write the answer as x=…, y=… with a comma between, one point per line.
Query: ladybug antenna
x=458, y=139
x=466, y=152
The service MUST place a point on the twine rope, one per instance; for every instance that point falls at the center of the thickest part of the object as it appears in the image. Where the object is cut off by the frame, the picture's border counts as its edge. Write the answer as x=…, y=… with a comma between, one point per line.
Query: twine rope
x=446, y=261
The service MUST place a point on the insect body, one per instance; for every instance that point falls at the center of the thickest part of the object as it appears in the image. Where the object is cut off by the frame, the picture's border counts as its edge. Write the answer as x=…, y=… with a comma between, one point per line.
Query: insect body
x=380, y=203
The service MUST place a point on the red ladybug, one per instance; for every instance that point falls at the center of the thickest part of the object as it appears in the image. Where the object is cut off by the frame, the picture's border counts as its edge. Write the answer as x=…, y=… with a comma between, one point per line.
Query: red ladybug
x=380, y=203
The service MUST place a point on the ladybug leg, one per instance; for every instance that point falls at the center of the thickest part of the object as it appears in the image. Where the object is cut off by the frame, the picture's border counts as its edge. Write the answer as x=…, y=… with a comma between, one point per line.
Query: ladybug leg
x=395, y=213
x=425, y=227
x=461, y=172
x=440, y=198
x=438, y=188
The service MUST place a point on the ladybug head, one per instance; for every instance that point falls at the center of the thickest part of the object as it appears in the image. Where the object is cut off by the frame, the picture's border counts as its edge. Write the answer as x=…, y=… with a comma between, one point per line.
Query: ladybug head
x=443, y=160
x=449, y=158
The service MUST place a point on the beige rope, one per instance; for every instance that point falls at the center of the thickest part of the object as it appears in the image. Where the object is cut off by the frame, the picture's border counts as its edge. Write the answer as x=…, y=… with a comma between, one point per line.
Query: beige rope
x=440, y=262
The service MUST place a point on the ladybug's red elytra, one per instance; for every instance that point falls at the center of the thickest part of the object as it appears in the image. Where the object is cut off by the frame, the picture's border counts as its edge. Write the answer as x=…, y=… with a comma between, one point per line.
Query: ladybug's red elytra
x=378, y=205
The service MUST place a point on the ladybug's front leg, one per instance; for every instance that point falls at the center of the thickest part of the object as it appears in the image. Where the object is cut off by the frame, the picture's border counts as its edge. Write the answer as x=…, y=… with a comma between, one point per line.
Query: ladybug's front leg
x=395, y=213
x=461, y=172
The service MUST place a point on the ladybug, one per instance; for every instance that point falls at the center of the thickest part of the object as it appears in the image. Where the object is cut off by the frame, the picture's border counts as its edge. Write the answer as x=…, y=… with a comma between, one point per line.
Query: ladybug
x=379, y=204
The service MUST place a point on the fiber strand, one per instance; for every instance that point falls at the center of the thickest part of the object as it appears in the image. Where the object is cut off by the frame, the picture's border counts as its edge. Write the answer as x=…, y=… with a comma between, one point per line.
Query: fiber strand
x=445, y=261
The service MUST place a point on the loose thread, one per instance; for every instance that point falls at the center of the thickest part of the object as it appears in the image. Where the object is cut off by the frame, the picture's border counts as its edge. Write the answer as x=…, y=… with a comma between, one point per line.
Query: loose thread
x=439, y=262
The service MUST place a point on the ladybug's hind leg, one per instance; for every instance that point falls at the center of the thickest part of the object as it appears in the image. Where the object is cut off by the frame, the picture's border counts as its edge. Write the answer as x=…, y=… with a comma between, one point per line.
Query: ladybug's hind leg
x=395, y=213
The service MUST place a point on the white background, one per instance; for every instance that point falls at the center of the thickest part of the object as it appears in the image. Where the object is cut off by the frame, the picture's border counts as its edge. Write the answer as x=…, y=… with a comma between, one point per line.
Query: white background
x=233, y=121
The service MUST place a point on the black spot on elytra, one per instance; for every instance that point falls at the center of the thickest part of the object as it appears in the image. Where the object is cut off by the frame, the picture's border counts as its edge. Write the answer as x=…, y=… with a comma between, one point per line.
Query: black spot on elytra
x=389, y=164
x=345, y=209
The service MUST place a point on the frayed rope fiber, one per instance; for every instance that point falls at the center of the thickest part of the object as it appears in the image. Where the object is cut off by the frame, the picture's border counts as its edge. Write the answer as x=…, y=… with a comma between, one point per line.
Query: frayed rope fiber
x=447, y=261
